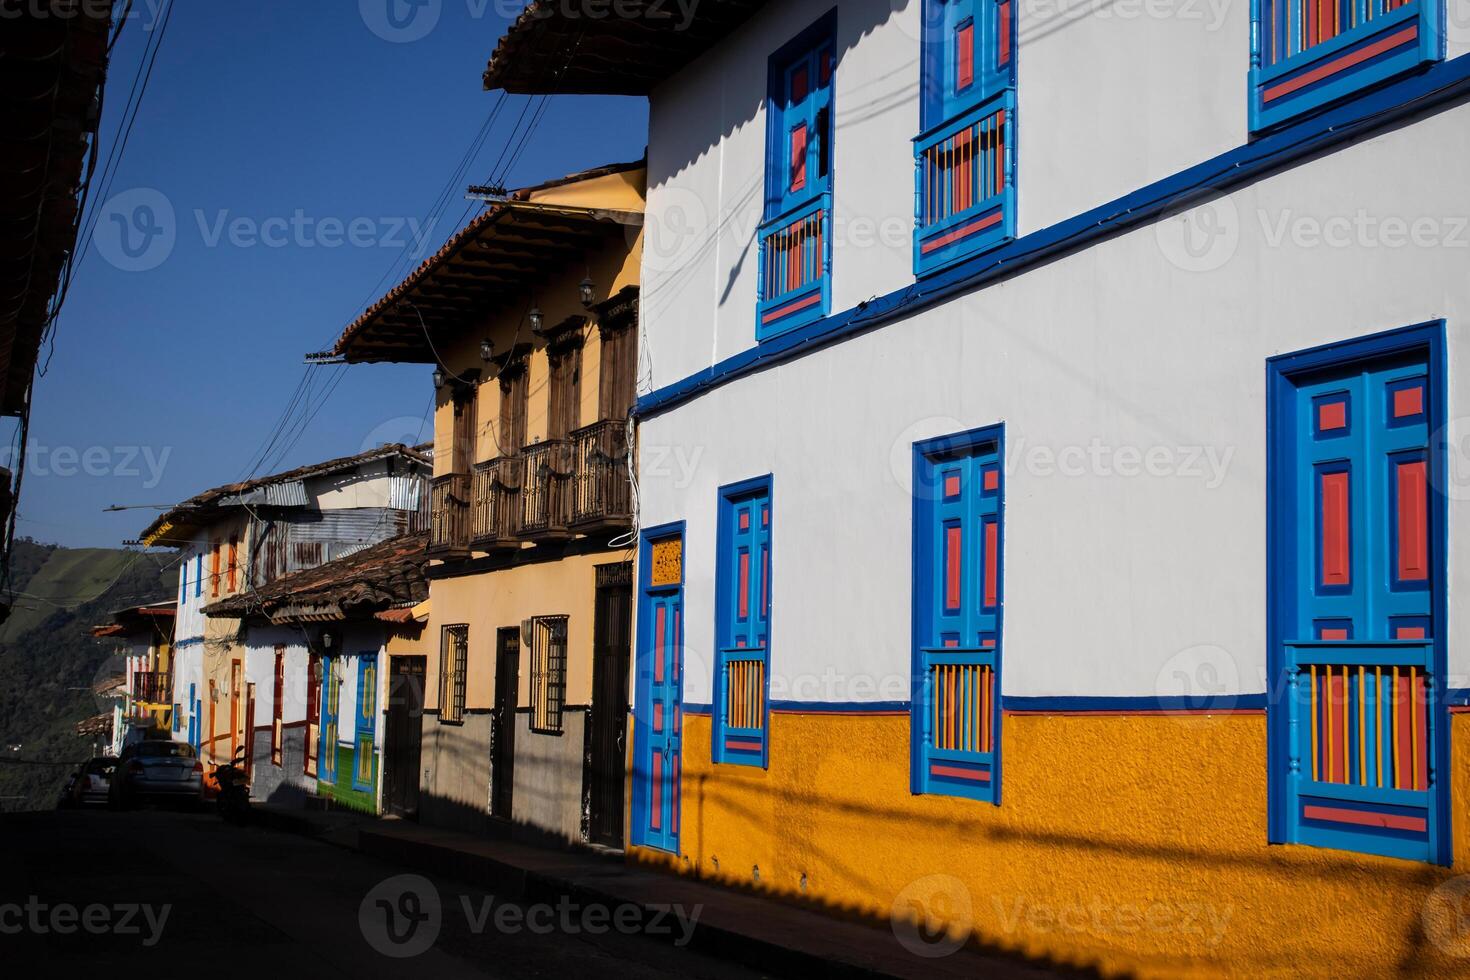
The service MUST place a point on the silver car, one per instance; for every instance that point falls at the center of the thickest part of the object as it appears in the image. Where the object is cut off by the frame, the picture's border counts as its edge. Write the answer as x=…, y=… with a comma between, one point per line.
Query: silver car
x=157, y=769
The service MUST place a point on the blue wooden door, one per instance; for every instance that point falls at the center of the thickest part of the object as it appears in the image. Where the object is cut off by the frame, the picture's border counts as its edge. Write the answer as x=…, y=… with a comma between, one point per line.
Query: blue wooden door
x=957, y=543
x=658, y=704
x=1355, y=534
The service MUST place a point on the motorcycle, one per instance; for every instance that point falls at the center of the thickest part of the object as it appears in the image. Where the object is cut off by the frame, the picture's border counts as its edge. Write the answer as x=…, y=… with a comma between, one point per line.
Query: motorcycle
x=232, y=801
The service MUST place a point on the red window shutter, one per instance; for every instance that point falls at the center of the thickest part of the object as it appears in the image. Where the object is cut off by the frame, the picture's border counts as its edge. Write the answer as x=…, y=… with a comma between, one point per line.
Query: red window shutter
x=964, y=56
x=798, y=157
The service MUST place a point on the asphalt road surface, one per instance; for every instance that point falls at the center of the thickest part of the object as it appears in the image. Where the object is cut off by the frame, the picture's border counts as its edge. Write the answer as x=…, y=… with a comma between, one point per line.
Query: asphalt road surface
x=97, y=893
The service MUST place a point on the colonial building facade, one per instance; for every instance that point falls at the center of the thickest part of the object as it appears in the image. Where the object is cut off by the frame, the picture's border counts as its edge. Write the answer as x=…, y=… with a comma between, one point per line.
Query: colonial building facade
x=234, y=540
x=1047, y=485
x=529, y=318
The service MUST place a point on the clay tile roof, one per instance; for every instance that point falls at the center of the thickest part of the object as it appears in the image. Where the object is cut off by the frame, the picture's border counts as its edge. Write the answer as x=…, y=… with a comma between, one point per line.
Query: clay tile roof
x=556, y=48
x=491, y=261
x=383, y=576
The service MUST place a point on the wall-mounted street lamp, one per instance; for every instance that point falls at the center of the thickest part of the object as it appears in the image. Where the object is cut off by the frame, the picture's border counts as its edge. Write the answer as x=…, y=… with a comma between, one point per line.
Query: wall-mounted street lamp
x=487, y=350
x=585, y=287
x=438, y=378
x=536, y=318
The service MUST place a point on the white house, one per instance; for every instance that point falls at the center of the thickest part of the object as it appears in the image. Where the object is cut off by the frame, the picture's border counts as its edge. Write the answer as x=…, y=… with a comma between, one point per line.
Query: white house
x=1050, y=482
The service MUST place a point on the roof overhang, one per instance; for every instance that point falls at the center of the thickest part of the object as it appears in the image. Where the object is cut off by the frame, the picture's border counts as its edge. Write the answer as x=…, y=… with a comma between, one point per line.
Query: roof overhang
x=559, y=48
x=493, y=261
x=53, y=60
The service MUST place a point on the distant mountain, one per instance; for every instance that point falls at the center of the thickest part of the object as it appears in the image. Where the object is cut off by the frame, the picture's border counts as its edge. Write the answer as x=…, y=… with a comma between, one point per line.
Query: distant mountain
x=49, y=661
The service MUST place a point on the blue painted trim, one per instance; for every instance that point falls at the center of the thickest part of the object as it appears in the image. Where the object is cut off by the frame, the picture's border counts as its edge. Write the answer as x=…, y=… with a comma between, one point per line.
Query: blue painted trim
x=1051, y=704
x=1428, y=337
x=1136, y=703
x=1457, y=697
x=842, y=707
x=188, y=642
x=1374, y=110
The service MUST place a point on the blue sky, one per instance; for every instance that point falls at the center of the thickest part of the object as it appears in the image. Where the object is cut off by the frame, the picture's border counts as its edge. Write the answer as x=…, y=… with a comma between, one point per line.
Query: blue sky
x=284, y=155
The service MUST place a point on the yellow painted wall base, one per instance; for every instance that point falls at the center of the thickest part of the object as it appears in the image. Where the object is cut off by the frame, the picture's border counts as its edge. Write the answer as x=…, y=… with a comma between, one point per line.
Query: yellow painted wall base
x=1129, y=843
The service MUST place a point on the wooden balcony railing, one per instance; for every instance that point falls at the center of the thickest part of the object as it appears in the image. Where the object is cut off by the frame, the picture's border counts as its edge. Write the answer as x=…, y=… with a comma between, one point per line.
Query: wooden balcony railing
x=795, y=266
x=963, y=174
x=153, y=686
x=601, y=493
x=545, y=497
x=449, y=514
x=496, y=518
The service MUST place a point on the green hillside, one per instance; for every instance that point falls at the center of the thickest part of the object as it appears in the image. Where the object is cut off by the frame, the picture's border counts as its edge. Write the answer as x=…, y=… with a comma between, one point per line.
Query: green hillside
x=49, y=661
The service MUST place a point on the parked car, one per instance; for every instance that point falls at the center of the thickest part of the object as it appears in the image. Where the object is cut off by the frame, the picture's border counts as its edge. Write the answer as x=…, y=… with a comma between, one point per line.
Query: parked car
x=157, y=769
x=91, y=782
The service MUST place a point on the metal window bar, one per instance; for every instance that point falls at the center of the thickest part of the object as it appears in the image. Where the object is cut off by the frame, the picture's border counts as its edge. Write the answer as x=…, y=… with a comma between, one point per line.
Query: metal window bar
x=453, y=660
x=548, y=673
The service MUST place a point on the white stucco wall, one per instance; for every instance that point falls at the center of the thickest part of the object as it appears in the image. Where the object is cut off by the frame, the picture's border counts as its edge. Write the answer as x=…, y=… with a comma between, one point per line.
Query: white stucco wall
x=1112, y=582
x=1110, y=97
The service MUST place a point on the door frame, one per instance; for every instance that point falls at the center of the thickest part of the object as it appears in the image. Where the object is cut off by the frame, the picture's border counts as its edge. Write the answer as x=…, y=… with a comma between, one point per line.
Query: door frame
x=1427, y=338
x=643, y=680
x=598, y=716
x=395, y=777
x=503, y=726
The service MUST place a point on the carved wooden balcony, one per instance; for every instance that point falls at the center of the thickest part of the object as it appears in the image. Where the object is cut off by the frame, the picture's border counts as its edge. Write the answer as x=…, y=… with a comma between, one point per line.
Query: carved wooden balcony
x=496, y=519
x=602, y=496
x=545, y=491
x=449, y=516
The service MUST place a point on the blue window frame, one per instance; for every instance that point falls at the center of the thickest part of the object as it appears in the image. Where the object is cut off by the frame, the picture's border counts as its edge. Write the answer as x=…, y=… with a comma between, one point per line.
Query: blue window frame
x=742, y=680
x=795, y=268
x=957, y=596
x=1306, y=54
x=198, y=575
x=1359, y=733
x=964, y=156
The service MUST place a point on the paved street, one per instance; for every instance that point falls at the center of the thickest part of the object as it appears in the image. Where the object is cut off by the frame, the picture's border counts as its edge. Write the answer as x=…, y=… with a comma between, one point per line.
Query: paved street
x=227, y=901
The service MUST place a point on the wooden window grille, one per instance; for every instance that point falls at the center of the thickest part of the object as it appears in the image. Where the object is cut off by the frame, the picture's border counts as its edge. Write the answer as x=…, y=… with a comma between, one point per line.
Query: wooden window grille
x=454, y=649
